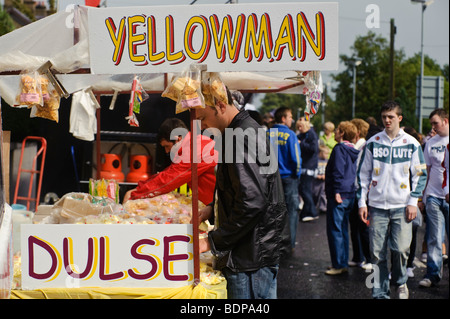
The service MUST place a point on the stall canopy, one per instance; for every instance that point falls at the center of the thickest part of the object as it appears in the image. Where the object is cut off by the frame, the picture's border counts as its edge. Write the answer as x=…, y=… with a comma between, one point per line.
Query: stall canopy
x=66, y=40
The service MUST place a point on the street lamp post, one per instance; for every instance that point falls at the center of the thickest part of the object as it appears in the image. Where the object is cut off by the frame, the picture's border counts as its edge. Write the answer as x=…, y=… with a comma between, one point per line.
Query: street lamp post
x=425, y=4
x=355, y=62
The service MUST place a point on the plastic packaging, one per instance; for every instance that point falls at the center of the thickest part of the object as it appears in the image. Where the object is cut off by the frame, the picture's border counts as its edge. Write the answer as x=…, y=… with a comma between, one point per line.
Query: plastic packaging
x=104, y=188
x=51, y=101
x=172, y=208
x=29, y=92
x=213, y=88
x=137, y=96
x=186, y=90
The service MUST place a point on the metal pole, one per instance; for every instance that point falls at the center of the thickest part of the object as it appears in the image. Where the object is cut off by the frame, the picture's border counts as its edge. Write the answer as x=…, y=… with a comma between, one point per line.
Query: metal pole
x=424, y=6
x=324, y=102
x=391, y=61
x=194, y=183
x=354, y=89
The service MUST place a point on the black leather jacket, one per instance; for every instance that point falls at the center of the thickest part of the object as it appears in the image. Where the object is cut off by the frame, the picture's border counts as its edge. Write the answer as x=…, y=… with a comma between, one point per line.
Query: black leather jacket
x=249, y=204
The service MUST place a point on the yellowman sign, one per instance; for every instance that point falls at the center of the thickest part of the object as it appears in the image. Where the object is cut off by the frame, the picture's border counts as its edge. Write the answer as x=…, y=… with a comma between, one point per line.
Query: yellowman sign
x=256, y=37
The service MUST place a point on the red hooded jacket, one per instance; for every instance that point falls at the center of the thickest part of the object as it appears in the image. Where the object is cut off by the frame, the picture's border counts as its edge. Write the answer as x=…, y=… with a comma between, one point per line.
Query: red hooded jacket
x=179, y=172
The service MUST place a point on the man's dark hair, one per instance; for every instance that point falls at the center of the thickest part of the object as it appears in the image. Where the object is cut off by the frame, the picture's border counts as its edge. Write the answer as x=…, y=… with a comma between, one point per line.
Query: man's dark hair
x=391, y=106
x=280, y=112
x=167, y=127
x=439, y=112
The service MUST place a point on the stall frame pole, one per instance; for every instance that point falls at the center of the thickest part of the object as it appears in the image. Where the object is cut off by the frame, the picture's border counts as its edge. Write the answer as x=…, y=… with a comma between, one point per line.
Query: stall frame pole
x=194, y=181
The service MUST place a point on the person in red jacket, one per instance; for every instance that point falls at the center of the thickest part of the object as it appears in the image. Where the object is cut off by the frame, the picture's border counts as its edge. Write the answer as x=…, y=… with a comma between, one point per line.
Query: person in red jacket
x=179, y=172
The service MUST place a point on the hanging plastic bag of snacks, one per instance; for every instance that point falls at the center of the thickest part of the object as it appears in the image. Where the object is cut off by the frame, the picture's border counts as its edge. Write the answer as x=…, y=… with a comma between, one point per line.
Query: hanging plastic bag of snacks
x=312, y=91
x=186, y=90
x=29, y=92
x=213, y=88
x=51, y=100
x=137, y=96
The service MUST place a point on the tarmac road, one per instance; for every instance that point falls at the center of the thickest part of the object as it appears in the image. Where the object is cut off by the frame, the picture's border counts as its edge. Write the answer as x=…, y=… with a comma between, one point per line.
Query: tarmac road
x=302, y=276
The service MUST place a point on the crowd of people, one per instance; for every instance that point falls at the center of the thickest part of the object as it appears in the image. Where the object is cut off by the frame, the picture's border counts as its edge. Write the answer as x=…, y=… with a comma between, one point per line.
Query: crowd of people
x=375, y=186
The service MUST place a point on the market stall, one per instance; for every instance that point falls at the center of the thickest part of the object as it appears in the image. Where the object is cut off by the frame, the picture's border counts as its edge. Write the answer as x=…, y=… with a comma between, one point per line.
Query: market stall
x=104, y=51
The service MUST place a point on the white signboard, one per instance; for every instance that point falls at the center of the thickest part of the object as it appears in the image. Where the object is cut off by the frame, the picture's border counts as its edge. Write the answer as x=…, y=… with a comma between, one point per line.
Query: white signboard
x=72, y=256
x=244, y=37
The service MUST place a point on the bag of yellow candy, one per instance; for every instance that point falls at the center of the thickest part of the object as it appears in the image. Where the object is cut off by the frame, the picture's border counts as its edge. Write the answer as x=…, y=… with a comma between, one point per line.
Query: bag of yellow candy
x=185, y=89
x=29, y=92
x=51, y=99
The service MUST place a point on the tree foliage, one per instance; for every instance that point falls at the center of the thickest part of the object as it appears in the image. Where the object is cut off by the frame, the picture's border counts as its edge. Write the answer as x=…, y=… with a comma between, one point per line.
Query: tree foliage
x=6, y=22
x=372, y=80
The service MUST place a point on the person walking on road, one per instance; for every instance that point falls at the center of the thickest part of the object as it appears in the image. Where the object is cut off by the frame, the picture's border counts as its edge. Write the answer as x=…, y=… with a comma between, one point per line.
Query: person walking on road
x=434, y=197
x=393, y=167
x=289, y=164
x=309, y=146
x=340, y=177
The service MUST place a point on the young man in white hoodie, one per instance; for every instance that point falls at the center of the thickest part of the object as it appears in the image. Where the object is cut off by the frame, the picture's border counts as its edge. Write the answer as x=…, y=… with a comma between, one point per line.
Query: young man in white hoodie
x=434, y=197
x=392, y=165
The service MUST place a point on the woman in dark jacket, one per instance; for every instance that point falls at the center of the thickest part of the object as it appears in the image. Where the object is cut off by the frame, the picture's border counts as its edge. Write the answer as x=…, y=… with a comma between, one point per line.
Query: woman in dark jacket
x=340, y=189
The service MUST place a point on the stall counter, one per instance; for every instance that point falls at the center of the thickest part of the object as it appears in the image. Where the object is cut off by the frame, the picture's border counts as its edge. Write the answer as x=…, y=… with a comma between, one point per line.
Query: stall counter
x=218, y=291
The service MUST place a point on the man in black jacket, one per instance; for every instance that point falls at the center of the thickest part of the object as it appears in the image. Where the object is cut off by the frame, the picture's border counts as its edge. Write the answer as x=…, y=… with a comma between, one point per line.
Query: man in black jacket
x=248, y=211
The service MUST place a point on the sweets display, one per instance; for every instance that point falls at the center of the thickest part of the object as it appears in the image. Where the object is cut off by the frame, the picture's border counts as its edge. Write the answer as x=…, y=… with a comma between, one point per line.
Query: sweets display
x=73, y=206
x=82, y=208
x=172, y=208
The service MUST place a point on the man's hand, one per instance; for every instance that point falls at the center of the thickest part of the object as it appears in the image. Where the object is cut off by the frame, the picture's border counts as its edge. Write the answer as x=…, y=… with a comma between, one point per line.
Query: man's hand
x=338, y=198
x=204, y=214
x=411, y=213
x=364, y=215
x=128, y=195
x=203, y=245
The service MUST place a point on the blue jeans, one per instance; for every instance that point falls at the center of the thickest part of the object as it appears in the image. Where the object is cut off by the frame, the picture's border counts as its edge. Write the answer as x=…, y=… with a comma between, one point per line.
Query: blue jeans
x=437, y=224
x=290, y=187
x=389, y=227
x=305, y=191
x=258, y=284
x=337, y=230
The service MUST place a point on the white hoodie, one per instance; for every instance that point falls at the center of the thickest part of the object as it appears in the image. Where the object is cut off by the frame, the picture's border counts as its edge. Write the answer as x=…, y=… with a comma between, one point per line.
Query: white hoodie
x=395, y=171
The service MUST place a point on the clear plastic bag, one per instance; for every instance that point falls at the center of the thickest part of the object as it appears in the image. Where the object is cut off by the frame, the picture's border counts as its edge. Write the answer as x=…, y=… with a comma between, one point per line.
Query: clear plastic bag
x=186, y=90
x=213, y=88
x=104, y=188
x=137, y=96
x=51, y=101
x=29, y=92
x=77, y=205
